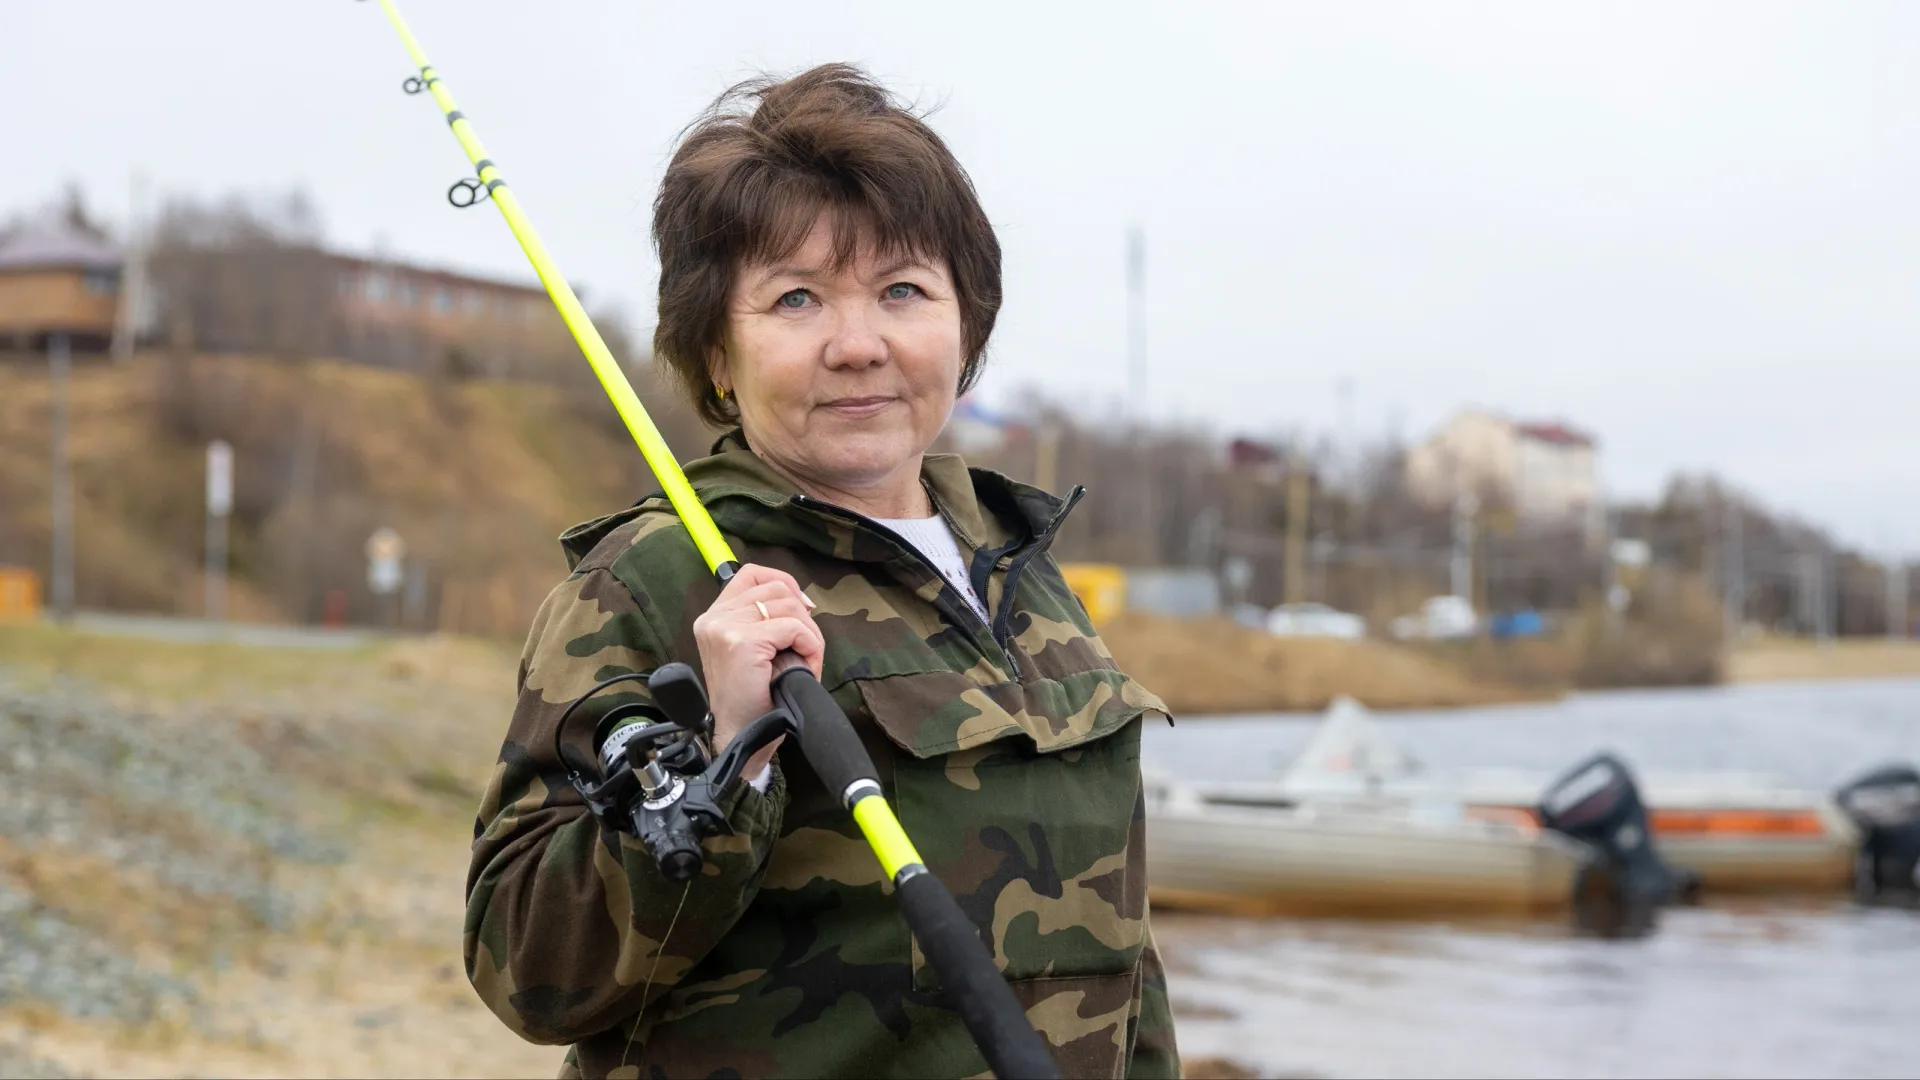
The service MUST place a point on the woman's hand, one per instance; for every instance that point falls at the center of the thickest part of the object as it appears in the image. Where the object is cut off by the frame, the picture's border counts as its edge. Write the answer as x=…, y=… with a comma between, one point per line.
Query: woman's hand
x=760, y=612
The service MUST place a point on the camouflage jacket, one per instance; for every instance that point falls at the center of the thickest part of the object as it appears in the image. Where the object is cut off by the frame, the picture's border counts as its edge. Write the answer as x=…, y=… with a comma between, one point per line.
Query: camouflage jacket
x=1010, y=752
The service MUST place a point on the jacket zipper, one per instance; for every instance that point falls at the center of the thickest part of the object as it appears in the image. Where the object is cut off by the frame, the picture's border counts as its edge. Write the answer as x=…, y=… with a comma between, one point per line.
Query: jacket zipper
x=1003, y=619
x=968, y=615
x=999, y=629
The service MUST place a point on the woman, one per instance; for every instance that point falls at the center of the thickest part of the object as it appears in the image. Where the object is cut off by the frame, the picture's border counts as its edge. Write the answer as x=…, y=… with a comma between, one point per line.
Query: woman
x=828, y=283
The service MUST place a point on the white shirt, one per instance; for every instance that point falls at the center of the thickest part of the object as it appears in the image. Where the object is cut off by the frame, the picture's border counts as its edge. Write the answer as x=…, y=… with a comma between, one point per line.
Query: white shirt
x=931, y=537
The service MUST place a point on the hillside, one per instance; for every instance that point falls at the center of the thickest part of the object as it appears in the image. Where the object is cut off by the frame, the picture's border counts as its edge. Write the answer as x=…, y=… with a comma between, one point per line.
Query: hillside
x=477, y=476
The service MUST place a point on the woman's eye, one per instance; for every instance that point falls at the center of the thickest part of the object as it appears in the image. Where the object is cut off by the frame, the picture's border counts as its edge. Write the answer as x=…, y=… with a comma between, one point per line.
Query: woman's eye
x=796, y=299
x=901, y=290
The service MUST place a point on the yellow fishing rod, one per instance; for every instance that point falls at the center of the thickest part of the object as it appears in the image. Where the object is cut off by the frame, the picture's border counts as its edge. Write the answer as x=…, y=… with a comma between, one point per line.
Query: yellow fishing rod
x=986, y=1004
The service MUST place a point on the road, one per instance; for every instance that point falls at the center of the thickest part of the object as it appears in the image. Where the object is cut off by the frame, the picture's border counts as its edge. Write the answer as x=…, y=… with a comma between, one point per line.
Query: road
x=168, y=628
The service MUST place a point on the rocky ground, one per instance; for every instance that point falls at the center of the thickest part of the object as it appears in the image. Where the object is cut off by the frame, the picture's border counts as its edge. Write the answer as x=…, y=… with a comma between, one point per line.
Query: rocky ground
x=217, y=860
x=233, y=860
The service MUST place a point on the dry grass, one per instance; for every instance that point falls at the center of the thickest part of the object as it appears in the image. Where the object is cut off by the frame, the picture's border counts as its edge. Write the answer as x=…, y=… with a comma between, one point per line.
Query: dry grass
x=479, y=477
x=1218, y=666
x=1781, y=659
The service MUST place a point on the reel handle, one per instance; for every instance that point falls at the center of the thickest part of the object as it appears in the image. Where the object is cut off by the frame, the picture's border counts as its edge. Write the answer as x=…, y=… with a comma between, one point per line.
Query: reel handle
x=679, y=693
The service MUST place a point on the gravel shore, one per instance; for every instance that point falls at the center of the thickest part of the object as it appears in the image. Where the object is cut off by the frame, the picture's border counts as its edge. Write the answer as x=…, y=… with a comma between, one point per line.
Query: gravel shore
x=255, y=873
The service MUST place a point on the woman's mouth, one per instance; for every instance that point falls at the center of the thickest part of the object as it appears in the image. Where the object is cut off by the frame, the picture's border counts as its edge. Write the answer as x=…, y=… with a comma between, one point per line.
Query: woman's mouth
x=857, y=408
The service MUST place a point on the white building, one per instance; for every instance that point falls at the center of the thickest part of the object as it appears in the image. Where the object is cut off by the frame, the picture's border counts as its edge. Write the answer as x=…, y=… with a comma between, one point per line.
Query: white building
x=1544, y=472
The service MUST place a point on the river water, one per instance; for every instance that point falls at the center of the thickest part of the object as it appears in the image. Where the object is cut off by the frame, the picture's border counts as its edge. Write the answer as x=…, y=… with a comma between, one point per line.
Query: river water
x=1807, y=986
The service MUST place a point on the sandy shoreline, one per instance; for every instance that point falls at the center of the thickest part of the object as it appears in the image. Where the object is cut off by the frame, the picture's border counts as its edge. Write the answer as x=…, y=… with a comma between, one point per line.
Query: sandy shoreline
x=1793, y=660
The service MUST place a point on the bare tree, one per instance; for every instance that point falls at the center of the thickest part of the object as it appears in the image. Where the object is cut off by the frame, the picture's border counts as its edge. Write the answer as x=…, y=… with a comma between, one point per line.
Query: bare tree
x=244, y=275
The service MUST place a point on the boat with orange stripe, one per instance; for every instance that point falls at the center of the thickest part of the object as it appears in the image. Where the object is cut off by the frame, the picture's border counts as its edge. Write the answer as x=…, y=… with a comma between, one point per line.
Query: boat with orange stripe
x=1733, y=832
x=1725, y=831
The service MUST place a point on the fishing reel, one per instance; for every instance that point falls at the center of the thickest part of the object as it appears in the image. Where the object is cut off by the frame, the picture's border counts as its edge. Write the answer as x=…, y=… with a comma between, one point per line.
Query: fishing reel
x=657, y=780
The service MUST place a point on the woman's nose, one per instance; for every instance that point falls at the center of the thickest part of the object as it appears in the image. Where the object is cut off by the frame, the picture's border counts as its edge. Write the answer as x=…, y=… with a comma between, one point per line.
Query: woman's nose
x=856, y=341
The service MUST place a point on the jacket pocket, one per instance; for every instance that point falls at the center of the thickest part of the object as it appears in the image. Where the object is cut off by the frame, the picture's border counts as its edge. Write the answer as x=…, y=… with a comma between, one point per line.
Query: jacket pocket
x=1086, y=1022
x=931, y=713
x=1025, y=800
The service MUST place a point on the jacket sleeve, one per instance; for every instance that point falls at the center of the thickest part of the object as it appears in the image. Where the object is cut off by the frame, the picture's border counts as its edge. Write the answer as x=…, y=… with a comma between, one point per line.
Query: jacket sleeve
x=1155, y=1056
x=570, y=929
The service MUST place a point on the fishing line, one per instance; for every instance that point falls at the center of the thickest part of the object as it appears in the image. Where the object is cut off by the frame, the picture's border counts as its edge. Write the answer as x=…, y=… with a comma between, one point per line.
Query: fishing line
x=648, y=988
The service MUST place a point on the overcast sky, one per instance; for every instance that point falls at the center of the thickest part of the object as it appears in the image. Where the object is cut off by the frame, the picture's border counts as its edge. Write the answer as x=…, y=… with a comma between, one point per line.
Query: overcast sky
x=1691, y=229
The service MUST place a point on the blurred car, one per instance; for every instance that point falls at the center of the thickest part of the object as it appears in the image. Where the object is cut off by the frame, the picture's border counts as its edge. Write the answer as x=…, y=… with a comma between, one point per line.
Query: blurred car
x=1439, y=618
x=1517, y=624
x=1251, y=616
x=1315, y=620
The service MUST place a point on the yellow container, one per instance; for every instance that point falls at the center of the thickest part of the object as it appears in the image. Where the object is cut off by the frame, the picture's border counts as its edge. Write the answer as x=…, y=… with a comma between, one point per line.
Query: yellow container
x=1101, y=587
x=19, y=593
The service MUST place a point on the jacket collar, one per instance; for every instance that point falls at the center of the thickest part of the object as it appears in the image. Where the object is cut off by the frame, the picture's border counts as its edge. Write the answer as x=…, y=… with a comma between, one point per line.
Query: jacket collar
x=748, y=499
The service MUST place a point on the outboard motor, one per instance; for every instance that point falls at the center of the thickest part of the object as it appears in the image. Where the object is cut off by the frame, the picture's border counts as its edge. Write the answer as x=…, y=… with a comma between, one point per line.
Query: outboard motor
x=1885, y=804
x=1620, y=892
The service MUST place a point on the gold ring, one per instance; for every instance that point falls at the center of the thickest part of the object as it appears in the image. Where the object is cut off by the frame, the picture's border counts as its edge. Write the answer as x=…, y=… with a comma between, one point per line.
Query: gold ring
x=762, y=605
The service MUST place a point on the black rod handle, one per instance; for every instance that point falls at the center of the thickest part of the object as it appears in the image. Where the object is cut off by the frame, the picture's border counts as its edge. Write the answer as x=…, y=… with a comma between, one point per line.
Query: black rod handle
x=992, y=1015
x=827, y=737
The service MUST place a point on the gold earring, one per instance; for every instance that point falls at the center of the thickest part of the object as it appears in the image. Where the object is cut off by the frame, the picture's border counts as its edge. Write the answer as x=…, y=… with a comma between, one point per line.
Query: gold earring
x=719, y=391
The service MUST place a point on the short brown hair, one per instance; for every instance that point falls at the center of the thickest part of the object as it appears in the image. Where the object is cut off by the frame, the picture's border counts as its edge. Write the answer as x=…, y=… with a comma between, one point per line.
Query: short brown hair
x=757, y=169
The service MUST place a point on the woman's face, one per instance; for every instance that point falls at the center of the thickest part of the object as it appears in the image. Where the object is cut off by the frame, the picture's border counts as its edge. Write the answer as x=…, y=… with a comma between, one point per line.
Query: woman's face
x=843, y=379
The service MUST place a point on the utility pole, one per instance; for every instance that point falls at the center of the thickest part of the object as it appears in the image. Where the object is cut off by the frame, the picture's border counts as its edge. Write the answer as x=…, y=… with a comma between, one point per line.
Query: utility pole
x=1829, y=598
x=1349, y=470
x=1146, y=481
x=219, y=512
x=1046, y=455
x=1897, y=598
x=1461, y=568
x=133, y=277
x=1830, y=594
x=1203, y=536
x=59, y=371
x=1733, y=589
x=1803, y=610
x=1137, y=321
x=1298, y=504
x=1813, y=591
